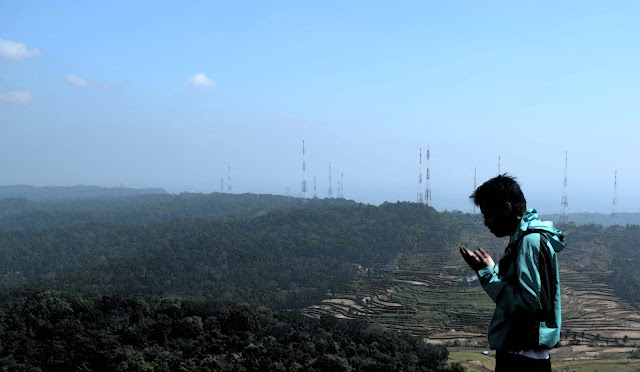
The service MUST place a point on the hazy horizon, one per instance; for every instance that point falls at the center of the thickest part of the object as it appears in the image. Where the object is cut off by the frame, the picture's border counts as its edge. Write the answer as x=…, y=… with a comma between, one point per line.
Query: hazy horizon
x=165, y=95
x=299, y=195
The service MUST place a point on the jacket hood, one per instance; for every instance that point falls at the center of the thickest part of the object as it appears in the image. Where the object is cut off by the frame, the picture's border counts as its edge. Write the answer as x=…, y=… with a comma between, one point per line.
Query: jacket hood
x=531, y=221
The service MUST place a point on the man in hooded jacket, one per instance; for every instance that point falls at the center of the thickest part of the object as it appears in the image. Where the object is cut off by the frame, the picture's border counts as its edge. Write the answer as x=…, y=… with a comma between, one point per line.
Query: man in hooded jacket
x=525, y=285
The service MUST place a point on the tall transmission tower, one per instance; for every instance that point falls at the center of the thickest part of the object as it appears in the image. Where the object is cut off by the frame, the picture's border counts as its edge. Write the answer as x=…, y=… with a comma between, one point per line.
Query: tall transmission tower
x=427, y=192
x=229, y=178
x=498, y=164
x=330, y=189
x=304, y=175
x=614, y=213
x=342, y=185
x=475, y=187
x=420, y=198
x=564, y=218
x=315, y=190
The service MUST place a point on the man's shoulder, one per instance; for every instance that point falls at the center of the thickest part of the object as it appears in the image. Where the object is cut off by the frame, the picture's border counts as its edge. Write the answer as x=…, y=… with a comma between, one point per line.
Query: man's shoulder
x=530, y=238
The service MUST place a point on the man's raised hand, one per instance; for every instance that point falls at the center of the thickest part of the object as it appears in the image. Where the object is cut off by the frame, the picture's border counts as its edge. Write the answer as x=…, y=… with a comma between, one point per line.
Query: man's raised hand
x=476, y=260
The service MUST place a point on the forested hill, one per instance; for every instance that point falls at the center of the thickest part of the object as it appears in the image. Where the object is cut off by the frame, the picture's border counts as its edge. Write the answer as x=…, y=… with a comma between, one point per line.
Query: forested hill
x=135, y=283
x=263, y=249
x=284, y=259
x=71, y=192
x=585, y=218
x=21, y=213
x=50, y=331
x=139, y=286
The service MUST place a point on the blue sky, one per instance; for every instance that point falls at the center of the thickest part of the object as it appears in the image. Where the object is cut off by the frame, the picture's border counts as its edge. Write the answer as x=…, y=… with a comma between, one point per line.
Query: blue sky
x=168, y=94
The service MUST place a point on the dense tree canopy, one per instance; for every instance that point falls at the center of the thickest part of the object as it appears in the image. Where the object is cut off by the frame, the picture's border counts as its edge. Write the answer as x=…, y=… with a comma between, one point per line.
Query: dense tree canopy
x=286, y=259
x=206, y=282
x=53, y=332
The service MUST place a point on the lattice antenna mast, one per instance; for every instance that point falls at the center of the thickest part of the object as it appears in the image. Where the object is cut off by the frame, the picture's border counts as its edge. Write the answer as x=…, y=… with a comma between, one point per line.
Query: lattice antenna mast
x=315, y=190
x=330, y=189
x=475, y=187
x=614, y=213
x=342, y=185
x=498, y=164
x=221, y=184
x=304, y=174
x=420, y=198
x=427, y=192
x=229, y=178
x=564, y=218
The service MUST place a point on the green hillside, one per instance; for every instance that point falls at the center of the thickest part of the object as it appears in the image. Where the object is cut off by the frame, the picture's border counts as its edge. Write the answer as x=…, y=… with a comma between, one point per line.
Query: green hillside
x=71, y=192
x=156, y=259
x=285, y=259
x=21, y=213
x=604, y=219
x=121, y=295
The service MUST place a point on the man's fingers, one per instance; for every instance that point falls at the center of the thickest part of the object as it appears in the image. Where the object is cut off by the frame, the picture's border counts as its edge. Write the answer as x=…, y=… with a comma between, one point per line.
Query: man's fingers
x=470, y=256
x=464, y=250
x=485, y=257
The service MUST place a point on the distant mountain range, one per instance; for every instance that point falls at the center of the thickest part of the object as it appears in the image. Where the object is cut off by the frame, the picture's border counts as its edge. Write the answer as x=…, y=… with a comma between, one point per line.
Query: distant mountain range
x=60, y=193
x=605, y=220
x=71, y=192
x=21, y=212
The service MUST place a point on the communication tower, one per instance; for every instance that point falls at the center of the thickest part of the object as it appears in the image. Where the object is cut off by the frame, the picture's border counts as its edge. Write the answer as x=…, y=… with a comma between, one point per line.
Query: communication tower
x=614, y=213
x=315, y=190
x=229, y=178
x=564, y=218
x=342, y=185
x=475, y=187
x=498, y=164
x=420, y=198
x=427, y=193
x=330, y=189
x=304, y=175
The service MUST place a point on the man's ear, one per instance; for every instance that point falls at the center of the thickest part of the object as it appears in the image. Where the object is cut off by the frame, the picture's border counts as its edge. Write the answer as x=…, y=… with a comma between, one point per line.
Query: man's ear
x=507, y=207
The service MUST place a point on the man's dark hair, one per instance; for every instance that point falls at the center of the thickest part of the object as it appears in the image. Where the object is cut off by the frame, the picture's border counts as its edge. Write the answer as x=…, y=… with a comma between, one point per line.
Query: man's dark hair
x=498, y=190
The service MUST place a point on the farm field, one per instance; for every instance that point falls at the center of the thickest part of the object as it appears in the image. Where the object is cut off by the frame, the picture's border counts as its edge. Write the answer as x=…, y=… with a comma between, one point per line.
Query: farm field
x=608, y=365
x=435, y=296
x=474, y=360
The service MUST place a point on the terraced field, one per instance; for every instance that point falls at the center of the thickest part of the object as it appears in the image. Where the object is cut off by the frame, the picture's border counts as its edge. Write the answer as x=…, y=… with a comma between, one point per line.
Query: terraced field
x=434, y=295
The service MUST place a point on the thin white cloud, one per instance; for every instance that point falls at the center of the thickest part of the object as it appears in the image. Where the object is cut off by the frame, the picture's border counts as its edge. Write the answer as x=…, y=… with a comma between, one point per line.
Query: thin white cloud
x=16, y=51
x=201, y=80
x=17, y=96
x=77, y=81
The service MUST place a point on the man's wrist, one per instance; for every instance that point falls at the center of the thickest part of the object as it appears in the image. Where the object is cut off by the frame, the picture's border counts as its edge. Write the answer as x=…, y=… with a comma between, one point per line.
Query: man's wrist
x=485, y=271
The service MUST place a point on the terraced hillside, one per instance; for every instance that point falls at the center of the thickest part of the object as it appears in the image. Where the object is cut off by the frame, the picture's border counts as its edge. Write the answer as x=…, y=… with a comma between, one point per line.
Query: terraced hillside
x=434, y=295
x=424, y=296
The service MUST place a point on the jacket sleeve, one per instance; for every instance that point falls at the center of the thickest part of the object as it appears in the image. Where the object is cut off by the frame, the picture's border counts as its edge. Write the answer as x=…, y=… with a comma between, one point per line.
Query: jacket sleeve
x=519, y=294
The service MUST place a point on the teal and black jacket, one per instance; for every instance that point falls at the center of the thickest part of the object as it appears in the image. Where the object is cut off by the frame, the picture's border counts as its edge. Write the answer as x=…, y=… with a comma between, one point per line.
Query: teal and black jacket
x=525, y=286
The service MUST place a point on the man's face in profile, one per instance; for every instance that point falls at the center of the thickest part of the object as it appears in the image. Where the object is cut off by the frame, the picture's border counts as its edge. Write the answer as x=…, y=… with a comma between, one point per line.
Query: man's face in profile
x=498, y=219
